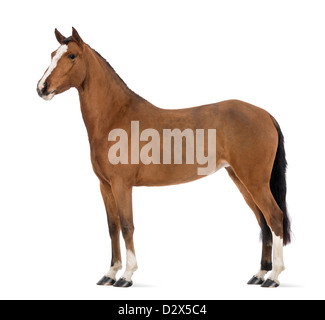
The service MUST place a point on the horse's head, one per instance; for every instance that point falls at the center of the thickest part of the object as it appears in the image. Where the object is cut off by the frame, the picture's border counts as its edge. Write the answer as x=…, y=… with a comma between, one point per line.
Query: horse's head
x=67, y=68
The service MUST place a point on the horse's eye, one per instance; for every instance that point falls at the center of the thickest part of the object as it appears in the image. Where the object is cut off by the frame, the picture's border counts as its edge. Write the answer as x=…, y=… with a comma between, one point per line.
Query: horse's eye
x=71, y=56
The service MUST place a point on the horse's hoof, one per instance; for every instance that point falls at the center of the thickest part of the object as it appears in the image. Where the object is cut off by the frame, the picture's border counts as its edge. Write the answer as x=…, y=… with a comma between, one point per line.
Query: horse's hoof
x=255, y=280
x=106, y=281
x=122, y=283
x=268, y=283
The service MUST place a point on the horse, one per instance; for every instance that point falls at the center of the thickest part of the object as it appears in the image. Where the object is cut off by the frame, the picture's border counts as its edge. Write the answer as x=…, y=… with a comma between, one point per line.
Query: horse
x=247, y=142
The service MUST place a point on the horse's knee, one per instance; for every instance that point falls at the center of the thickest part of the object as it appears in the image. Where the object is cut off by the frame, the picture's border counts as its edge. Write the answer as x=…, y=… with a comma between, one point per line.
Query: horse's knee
x=127, y=230
x=114, y=228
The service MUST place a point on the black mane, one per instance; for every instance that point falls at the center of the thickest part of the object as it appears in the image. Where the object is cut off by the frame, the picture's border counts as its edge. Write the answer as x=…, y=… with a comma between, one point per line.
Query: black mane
x=110, y=67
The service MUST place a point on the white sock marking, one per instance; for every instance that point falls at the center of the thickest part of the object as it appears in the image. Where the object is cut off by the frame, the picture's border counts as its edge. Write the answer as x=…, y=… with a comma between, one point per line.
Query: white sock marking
x=277, y=264
x=113, y=270
x=261, y=274
x=131, y=265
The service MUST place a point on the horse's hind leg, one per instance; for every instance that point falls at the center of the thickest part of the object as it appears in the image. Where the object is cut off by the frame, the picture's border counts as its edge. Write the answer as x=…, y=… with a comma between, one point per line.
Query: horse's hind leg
x=264, y=199
x=266, y=261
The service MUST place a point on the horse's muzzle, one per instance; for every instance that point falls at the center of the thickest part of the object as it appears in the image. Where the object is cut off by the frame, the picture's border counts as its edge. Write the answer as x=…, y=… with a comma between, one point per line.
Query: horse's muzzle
x=43, y=93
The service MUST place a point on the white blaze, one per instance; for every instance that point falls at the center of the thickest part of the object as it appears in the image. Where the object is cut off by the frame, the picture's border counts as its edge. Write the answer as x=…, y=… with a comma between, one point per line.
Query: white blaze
x=54, y=63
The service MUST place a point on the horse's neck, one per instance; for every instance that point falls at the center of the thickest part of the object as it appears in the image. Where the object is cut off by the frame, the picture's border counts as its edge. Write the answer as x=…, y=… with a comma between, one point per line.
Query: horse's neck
x=103, y=96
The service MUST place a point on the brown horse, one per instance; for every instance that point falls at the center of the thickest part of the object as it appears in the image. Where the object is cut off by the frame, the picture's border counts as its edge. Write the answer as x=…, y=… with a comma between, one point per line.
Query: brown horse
x=240, y=137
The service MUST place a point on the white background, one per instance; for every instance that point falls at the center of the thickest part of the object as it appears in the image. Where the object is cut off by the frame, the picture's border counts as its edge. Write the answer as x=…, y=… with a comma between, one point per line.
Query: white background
x=193, y=241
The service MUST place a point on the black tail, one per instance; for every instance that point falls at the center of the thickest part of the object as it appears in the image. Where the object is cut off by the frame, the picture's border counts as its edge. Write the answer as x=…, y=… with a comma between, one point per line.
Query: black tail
x=278, y=184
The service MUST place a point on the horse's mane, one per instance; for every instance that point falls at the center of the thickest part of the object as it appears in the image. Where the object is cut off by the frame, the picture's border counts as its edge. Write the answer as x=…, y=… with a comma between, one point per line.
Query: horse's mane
x=108, y=64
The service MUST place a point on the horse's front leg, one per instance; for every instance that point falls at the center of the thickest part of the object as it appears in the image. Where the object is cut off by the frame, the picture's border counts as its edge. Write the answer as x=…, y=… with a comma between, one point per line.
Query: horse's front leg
x=123, y=198
x=114, y=231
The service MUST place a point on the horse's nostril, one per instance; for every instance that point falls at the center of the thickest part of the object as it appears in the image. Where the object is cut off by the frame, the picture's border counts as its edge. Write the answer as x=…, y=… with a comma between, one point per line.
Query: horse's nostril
x=39, y=91
x=44, y=89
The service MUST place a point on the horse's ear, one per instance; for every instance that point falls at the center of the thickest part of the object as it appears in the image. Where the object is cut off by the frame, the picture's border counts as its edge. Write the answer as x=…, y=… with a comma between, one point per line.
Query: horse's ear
x=76, y=37
x=59, y=36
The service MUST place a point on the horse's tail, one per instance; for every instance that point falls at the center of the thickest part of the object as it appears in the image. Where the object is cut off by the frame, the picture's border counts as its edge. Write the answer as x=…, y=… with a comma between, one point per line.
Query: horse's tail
x=278, y=183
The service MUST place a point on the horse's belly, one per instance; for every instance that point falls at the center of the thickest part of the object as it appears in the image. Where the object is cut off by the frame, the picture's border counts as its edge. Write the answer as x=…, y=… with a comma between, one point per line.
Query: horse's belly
x=171, y=174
